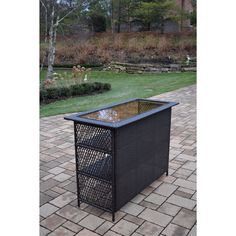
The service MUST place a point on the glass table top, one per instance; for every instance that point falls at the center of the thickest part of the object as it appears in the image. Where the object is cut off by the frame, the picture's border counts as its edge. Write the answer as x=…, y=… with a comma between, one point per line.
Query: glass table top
x=123, y=111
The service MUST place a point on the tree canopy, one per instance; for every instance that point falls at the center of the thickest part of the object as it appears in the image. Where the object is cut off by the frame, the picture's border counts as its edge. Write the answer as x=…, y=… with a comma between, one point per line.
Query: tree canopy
x=105, y=15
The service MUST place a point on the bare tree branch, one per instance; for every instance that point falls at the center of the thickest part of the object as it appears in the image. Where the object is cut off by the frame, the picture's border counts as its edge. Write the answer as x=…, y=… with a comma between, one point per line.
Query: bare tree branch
x=67, y=14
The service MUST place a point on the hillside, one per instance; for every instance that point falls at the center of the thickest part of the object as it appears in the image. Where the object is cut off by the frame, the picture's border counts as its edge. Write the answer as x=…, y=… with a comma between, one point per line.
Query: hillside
x=138, y=47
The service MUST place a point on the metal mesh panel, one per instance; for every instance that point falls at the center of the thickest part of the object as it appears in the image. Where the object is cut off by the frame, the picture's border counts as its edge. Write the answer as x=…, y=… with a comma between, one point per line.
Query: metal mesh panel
x=94, y=163
x=92, y=136
x=96, y=192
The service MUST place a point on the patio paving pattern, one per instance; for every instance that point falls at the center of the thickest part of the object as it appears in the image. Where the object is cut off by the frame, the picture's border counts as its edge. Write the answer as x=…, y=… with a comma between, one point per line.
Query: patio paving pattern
x=166, y=207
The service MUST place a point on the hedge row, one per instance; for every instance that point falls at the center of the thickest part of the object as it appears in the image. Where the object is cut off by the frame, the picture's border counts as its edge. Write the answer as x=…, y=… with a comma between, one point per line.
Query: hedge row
x=48, y=95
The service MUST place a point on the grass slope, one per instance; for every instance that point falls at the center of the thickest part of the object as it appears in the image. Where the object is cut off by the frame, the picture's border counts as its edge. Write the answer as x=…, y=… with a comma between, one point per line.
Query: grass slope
x=124, y=86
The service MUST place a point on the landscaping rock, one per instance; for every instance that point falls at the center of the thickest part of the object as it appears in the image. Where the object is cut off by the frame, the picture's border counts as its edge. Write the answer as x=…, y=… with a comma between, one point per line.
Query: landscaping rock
x=149, y=68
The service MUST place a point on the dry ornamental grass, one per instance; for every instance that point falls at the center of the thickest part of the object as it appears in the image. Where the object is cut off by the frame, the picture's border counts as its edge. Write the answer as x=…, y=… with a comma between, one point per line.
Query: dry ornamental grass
x=140, y=47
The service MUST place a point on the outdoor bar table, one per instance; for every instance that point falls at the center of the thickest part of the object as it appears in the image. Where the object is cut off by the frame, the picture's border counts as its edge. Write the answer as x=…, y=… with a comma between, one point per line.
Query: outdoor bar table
x=120, y=149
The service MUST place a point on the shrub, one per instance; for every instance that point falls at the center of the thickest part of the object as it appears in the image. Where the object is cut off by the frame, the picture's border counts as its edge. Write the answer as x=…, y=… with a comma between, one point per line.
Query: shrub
x=43, y=95
x=76, y=89
x=65, y=92
x=51, y=94
x=87, y=88
x=106, y=86
x=97, y=86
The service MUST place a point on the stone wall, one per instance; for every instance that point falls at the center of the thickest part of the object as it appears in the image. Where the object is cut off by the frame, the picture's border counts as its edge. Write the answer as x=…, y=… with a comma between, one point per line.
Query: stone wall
x=151, y=68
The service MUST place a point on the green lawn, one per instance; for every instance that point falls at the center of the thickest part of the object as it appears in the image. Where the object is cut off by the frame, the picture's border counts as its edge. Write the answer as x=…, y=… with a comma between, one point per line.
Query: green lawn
x=124, y=86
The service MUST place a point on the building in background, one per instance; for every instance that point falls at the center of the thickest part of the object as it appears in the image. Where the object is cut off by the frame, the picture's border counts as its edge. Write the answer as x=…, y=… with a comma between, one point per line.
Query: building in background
x=183, y=22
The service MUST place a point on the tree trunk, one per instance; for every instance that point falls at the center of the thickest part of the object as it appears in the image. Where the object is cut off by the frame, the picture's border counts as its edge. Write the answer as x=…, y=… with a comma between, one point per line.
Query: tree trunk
x=112, y=17
x=51, y=46
x=118, y=27
x=46, y=28
x=129, y=25
x=181, y=17
x=119, y=17
x=46, y=22
x=52, y=40
x=162, y=26
x=129, y=20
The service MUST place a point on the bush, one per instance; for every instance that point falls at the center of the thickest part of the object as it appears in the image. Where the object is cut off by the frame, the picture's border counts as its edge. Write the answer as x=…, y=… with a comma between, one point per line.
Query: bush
x=97, y=86
x=65, y=92
x=51, y=94
x=43, y=94
x=106, y=86
x=76, y=89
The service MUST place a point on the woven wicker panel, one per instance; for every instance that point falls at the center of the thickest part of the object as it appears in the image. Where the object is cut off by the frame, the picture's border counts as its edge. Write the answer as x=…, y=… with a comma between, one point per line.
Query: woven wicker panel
x=96, y=137
x=94, y=163
x=95, y=192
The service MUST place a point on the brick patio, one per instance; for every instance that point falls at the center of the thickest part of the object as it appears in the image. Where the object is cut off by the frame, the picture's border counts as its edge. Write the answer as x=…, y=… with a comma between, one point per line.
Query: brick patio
x=166, y=207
